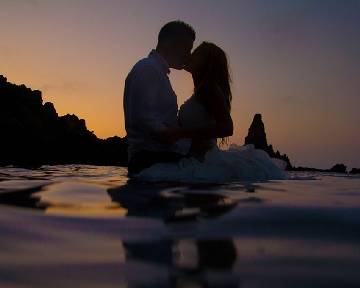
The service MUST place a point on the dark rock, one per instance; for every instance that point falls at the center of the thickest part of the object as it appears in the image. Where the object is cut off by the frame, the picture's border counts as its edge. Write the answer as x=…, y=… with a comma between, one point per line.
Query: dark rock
x=308, y=169
x=33, y=133
x=338, y=168
x=257, y=137
x=256, y=134
x=355, y=171
x=49, y=112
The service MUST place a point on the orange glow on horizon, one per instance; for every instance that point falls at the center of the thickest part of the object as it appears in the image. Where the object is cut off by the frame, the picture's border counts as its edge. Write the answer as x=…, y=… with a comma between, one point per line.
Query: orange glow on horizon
x=300, y=75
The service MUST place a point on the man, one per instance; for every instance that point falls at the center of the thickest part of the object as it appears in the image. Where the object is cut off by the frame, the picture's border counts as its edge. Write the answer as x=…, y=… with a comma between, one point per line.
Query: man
x=150, y=104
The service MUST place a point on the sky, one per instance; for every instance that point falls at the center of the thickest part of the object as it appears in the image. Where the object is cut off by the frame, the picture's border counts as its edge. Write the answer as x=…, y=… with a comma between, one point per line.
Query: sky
x=295, y=62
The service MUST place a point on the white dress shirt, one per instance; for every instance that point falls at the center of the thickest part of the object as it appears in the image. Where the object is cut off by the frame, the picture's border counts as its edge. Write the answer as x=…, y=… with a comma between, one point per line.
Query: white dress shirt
x=150, y=104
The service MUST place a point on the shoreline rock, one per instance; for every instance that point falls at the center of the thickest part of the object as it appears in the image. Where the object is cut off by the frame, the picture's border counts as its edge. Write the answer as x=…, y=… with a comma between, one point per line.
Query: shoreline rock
x=257, y=137
x=33, y=134
x=355, y=171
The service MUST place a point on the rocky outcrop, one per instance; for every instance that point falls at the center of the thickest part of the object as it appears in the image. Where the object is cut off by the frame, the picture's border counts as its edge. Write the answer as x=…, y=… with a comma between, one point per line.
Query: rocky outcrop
x=256, y=134
x=307, y=169
x=338, y=168
x=32, y=133
x=257, y=137
x=355, y=171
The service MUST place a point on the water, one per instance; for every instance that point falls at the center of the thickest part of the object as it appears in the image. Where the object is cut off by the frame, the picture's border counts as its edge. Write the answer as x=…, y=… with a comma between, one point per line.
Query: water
x=88, y=226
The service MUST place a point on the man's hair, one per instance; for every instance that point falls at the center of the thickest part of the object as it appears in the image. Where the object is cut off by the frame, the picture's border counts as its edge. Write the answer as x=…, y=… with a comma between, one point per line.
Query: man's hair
x=176, y=29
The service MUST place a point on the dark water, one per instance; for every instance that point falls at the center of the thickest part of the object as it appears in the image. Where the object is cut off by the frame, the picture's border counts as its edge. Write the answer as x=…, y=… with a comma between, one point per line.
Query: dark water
x=88, y=226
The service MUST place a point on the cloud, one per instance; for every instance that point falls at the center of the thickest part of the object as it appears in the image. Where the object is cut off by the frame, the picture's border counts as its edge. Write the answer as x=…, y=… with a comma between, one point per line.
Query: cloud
x=68, y=86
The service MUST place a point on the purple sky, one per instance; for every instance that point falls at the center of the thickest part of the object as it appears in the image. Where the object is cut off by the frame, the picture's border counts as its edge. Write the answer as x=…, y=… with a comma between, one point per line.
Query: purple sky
x=296, y=62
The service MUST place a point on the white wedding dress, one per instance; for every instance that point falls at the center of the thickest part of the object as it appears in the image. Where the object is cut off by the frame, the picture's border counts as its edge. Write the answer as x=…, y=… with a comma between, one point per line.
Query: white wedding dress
x=238, y=163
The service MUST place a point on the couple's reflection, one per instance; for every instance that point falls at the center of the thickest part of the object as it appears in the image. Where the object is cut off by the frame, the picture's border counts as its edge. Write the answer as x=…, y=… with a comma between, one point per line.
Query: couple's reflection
x=170, y=202
x=191, y=263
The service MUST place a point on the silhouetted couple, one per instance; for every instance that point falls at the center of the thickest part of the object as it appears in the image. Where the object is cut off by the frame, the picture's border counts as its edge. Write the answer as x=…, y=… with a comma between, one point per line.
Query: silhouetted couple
x=182, y=144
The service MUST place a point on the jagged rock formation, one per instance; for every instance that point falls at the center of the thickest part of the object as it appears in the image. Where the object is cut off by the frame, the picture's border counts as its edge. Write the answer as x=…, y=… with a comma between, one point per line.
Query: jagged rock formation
x=32, y=133
x=308, y=169
x=355, y=171
x=257, y=137
x=338, y=168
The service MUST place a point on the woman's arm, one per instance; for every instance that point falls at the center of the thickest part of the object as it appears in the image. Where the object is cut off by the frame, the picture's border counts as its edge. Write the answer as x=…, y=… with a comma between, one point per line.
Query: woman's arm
x=214, y=101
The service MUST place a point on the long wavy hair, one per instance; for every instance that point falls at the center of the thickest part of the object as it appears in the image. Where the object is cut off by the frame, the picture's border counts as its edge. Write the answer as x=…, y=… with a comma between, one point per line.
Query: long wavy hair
x=213, y=68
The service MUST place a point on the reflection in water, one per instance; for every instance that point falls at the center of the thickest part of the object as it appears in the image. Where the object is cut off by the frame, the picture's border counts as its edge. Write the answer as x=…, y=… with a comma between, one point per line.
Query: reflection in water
x=71, y=190
x=191, y=263
x=89, y=196
x=86, y=210
x=15, y=193
x=299, y=233
x=67, y=198
x=171, y=203
x=72, y=198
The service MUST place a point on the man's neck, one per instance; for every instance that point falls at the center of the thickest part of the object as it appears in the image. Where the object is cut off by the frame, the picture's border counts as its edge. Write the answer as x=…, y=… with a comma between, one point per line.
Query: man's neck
x=163, y=54
x=161, y=60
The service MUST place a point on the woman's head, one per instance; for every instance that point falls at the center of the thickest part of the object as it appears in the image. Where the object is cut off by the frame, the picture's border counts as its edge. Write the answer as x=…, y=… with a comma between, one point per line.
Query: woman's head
x=209, y=65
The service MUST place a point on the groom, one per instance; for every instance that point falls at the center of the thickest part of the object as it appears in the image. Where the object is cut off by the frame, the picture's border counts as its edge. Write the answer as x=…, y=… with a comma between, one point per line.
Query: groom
x=150, y=104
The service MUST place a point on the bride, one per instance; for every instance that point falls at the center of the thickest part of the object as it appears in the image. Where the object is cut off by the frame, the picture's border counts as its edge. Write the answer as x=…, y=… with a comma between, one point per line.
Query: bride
x=207, y=112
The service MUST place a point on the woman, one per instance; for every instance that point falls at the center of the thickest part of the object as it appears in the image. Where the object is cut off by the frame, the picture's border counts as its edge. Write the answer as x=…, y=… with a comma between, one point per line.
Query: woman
x=210, y=105
x=204, y=118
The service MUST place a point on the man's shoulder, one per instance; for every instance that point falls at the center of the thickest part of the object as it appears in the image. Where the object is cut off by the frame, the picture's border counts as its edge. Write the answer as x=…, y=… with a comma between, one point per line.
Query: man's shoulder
x=144, y=65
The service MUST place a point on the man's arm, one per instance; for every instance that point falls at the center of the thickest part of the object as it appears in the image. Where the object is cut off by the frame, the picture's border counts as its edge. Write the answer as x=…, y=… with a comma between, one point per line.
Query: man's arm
x=144, y=100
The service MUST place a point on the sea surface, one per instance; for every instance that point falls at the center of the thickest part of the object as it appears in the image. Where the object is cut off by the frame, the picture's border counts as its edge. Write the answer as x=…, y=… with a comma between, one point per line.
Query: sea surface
x=89, y=226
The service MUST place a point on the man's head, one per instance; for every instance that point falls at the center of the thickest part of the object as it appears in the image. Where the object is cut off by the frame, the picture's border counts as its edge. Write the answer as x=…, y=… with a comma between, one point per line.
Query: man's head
x=175, y=41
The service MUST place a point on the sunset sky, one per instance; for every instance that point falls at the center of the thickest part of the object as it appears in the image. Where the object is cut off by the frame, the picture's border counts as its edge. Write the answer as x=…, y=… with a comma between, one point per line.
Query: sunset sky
x=295, y=62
